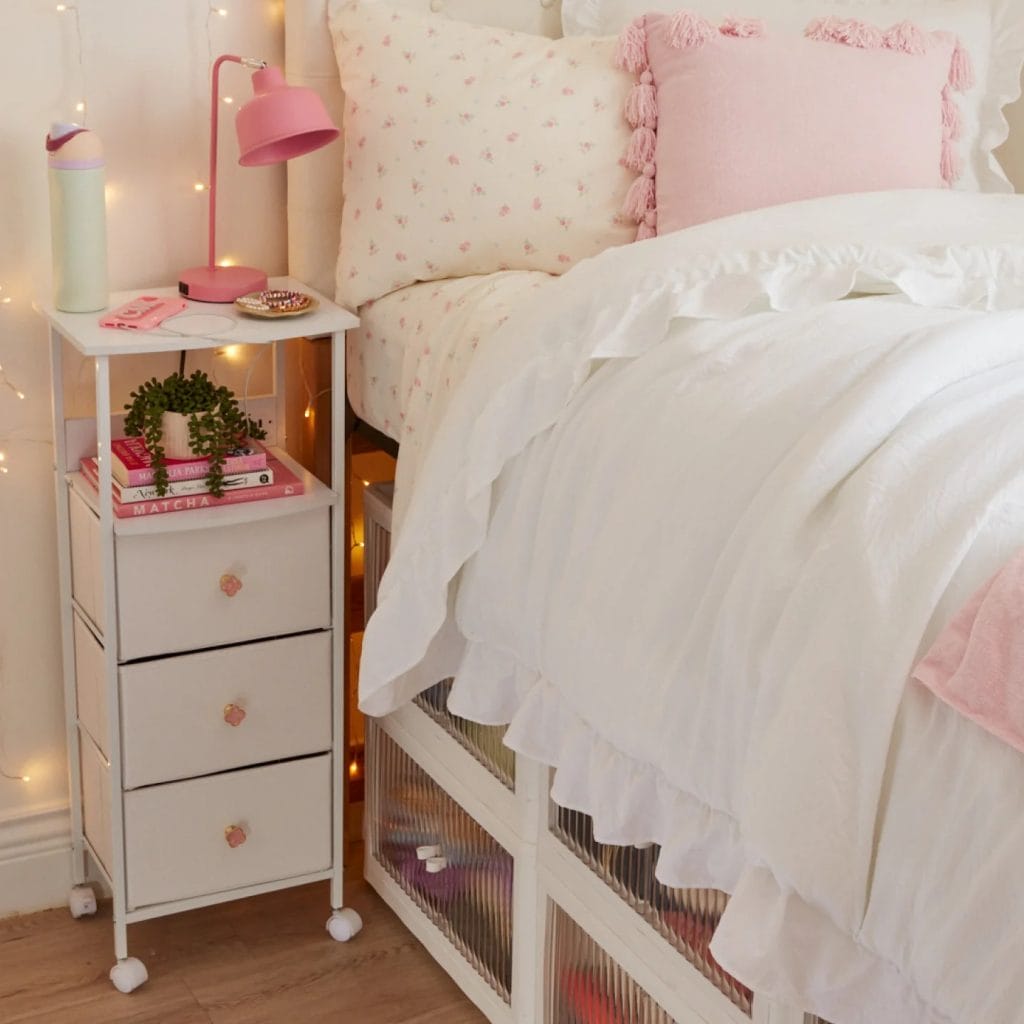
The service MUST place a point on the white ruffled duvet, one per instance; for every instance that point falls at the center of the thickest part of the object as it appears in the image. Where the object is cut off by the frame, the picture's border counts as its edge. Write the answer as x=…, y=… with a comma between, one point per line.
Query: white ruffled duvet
x=688, y=527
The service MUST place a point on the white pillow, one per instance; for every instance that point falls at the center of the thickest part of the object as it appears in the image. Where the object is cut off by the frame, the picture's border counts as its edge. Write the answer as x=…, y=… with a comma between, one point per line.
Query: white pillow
x=992, y=32
x=471, y=149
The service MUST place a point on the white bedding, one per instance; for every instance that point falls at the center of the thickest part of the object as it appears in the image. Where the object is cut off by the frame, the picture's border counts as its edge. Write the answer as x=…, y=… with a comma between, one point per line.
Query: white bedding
x=693, y=562
x=413, y=347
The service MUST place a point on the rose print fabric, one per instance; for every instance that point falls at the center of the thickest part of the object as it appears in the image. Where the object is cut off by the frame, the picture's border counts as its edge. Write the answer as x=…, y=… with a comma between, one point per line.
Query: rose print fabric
x=470, y=150
x=412, y=348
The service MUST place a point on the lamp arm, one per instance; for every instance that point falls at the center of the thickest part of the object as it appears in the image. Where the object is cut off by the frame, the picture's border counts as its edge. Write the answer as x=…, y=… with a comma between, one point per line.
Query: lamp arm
x=249, y=62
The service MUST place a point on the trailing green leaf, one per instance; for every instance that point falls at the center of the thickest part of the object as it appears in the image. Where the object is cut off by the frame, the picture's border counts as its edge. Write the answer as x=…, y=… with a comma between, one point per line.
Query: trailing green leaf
x=216, y=423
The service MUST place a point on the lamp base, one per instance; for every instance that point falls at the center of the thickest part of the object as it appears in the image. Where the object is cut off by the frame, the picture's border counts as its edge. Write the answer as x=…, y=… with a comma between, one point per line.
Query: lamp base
x=220, y=284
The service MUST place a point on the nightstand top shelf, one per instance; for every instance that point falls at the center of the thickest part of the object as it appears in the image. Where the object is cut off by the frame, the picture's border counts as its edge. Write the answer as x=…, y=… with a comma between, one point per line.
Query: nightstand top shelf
x=84, y=332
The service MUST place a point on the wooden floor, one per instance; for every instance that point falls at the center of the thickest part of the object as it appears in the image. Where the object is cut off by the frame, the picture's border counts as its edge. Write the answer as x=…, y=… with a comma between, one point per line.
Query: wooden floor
x=265, y=960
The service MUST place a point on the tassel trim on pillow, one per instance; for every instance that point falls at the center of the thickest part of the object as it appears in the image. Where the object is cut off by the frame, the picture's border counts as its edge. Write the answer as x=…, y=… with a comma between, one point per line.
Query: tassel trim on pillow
x=742, y=28
x=687, y=30
x=906, y=37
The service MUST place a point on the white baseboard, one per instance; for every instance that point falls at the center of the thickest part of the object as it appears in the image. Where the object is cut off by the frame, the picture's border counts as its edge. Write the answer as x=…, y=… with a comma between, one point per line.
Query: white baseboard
x=35, y=859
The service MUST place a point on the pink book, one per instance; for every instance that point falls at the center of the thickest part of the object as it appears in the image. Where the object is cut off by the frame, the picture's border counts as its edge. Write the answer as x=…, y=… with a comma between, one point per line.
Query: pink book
x=132, y=465
x=286, y=485
x=177, y=488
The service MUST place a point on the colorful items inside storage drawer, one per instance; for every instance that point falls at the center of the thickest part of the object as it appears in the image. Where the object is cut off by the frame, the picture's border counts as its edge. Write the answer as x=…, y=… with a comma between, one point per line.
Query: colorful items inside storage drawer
x=457, y=874
x=584, y=985
x=686, y=917
x=484, y=742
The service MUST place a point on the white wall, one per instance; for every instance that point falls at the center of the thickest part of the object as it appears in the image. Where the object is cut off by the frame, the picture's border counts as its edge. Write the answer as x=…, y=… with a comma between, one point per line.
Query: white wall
x=144, y=74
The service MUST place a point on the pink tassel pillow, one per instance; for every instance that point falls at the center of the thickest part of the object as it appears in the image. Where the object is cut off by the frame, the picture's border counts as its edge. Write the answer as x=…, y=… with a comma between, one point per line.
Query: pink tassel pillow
x=728, y=118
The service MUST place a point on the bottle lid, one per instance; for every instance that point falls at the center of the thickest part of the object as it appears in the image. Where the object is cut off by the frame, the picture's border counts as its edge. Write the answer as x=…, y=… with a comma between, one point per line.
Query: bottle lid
x=73, y=147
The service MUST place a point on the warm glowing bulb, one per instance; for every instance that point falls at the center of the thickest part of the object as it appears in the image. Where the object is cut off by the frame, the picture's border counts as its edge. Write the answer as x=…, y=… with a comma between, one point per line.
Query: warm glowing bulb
x=366, y=483
x=26, y=778
x=229, y=99
x=353, y=769
x=200, y=186
x=222, y=11
x=360, y=544
x=3, y=457
x=6, y=299
x=308, y=412
x=80, y=106
x=62, y=8
x=4, y=470
x=20, y=394
x=231, y=351
x=226, y=262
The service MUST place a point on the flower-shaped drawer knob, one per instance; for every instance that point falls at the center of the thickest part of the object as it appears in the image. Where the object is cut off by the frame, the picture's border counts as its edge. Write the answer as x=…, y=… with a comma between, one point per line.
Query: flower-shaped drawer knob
x=234, y=714
x=230, y=584
x=235, y=836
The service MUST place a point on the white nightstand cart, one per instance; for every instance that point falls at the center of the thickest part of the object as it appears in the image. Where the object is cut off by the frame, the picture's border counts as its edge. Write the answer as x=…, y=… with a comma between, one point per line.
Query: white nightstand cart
x=204, y=722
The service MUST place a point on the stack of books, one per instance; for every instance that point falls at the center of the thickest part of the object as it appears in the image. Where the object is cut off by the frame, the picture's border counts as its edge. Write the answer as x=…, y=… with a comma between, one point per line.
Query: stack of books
x=251, y=473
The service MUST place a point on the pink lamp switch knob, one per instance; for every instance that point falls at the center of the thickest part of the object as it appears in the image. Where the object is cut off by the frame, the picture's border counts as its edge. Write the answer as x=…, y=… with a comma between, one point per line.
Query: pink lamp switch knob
x=235, y=836
x=234, y=714
x=230, y=584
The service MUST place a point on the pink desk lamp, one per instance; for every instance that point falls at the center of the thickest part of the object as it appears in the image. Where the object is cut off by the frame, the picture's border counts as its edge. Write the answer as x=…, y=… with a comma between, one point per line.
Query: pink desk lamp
x=280, y=122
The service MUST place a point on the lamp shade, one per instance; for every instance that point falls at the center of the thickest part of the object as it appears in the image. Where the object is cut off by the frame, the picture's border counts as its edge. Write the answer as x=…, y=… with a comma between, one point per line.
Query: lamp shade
x=281, y=121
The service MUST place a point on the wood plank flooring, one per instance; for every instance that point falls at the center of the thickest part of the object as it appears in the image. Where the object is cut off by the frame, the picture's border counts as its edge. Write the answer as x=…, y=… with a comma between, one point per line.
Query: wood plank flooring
x=264, y=960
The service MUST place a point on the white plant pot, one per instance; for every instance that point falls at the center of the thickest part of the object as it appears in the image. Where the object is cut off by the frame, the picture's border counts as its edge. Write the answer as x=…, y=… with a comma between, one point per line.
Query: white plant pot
x=174, y=428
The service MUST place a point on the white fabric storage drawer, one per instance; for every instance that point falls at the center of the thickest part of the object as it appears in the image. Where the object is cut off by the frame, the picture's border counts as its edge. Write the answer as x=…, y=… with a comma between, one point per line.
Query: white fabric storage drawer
x=86, y=576
x=91, y=685
x=205, y=588
x=176, y=838
x=96, y=799
x=178, y=712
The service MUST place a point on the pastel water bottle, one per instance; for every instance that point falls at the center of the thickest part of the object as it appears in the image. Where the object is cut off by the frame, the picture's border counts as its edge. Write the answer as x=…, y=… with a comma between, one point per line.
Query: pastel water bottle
x=78, y=219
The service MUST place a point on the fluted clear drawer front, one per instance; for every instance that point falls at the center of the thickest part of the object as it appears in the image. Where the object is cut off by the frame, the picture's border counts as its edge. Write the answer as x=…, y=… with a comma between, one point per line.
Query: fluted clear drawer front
x=687, y=918
x=584, y=985
x=484, y=742
x=459, y=876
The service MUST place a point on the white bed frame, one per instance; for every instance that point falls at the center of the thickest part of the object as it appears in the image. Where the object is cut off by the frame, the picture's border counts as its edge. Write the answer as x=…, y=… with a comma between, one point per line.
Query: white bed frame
x=545, y=870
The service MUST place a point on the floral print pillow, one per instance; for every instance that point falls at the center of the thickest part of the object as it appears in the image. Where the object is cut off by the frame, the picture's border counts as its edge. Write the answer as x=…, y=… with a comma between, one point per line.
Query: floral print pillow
x=470, y=149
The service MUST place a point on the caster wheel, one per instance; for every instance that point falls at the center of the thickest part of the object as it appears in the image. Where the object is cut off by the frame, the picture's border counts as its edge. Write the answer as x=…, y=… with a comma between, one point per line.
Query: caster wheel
x=127, y=975
x=82, y=901
x=344, y=925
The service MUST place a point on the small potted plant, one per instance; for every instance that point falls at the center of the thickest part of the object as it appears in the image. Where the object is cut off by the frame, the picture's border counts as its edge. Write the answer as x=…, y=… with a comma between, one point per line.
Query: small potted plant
x=189, y=417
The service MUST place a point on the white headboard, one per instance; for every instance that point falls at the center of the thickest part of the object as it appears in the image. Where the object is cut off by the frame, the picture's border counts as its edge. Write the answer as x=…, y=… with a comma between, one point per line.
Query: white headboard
x=314, y=194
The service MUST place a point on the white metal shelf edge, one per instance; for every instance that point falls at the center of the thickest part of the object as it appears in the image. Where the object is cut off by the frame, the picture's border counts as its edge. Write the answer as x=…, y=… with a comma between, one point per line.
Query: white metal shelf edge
x=83, y=331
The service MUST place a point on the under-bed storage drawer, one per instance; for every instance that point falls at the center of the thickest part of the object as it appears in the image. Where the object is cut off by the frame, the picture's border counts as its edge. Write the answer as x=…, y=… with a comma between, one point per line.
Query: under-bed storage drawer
x=227, y=831
x=457, y=874
x=584, y=984
x=687, y=918
x=484, y=742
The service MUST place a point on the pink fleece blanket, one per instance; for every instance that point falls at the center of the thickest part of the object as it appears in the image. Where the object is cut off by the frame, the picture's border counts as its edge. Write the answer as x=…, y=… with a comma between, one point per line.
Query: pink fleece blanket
x=977, y=663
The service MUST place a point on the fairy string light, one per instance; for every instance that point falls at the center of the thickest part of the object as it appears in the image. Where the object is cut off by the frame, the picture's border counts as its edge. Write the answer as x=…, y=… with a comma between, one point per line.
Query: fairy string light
x=6, y=384
x=311, y=399
x=5, y=773
x=213, y=11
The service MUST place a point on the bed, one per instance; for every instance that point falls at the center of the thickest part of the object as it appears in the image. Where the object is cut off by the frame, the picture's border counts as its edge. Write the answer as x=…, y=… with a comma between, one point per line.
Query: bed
x=574, y=867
